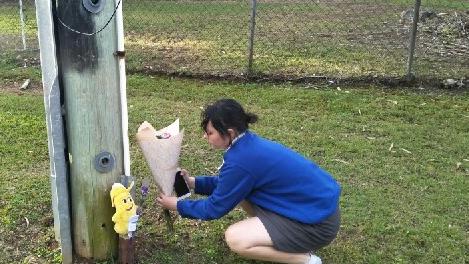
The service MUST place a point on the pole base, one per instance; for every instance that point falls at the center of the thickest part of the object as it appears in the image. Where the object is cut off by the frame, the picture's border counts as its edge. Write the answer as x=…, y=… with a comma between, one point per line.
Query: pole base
x=126, y=250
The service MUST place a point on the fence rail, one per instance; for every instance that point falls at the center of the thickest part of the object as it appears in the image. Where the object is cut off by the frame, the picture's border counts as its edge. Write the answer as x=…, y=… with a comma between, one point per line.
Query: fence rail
x=288, y=38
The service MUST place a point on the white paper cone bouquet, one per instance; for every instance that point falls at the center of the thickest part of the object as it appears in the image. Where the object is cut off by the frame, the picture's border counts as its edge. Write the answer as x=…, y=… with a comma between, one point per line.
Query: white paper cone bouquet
x=161, y=150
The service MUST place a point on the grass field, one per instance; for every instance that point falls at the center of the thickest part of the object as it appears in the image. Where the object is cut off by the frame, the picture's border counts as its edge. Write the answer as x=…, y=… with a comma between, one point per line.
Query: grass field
x=400, y=155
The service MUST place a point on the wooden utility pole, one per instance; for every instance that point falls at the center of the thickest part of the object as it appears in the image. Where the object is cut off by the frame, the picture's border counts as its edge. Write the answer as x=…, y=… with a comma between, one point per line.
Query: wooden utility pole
x=88, y=71
x=83, y=72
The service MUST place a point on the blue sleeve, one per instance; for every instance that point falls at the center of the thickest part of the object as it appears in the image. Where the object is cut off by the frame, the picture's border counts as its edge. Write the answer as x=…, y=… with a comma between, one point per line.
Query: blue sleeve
x=205, y=184
x=234, y=184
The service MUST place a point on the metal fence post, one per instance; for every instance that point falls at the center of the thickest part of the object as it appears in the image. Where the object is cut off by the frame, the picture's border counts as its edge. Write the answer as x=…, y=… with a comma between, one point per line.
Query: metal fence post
x=252, y=27
x=59, y=177
x=23, y=37
x=413, y=39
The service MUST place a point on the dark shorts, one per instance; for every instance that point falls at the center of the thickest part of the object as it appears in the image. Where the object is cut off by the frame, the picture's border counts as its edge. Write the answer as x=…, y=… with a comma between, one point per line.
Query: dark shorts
x=295, y=237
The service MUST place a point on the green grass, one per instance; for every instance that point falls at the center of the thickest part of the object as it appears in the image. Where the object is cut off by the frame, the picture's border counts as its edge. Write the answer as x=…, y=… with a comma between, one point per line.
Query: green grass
x=400, y=155
x=10, y=19
x=18, y=66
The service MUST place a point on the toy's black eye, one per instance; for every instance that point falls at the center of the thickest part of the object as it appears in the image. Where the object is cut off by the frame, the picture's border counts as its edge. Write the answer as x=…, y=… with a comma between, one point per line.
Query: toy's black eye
x=125, y=201
x=130, y=200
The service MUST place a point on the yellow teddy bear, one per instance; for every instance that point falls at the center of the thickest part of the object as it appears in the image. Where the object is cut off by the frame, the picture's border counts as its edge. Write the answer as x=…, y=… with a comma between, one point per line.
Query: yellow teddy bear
x=126, y=217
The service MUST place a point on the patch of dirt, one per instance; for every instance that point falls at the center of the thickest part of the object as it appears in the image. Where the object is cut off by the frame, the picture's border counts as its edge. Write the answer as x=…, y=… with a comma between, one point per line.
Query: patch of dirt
x=421, y=83
x=16, y=247
x=14, y=87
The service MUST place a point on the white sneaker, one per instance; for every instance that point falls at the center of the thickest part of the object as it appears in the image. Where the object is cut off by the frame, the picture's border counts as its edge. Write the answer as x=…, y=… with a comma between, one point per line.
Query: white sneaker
x=313, y=259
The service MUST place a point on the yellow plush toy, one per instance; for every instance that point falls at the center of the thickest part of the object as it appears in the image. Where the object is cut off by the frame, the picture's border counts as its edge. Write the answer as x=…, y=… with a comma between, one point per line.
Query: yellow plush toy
x=126, y=217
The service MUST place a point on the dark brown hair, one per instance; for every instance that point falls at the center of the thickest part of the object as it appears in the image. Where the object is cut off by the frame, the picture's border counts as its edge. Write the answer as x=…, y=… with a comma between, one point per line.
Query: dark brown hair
x=225, y=114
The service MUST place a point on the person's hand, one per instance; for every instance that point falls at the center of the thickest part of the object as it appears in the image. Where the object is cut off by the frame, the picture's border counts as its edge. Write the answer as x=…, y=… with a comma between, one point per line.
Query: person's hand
x=168, y=202
x=187, y=177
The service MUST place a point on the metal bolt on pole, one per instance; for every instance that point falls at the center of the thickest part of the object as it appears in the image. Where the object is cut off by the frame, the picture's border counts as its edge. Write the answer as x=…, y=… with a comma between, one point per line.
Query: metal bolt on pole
x=413, y=37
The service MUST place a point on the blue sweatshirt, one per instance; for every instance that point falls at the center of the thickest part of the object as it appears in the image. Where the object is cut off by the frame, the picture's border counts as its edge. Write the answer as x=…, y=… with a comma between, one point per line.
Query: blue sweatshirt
x=269, y=175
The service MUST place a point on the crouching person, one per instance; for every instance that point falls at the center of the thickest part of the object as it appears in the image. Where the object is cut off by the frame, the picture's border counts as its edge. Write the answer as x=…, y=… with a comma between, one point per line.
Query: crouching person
x=292, y=202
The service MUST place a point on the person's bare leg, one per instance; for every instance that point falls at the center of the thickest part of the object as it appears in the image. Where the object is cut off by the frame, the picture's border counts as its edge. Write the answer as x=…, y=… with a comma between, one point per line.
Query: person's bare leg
x=250, y=239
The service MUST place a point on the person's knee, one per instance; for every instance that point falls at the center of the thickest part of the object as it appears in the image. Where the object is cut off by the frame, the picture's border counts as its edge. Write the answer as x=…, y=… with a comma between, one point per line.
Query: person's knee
x=234, y=240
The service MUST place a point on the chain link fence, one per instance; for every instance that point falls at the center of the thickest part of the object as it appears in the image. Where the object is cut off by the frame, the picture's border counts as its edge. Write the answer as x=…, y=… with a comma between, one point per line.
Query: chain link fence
x=298, y=38
x=200, y=37
x=330, y=38
x=442, y=39
x=279, y=39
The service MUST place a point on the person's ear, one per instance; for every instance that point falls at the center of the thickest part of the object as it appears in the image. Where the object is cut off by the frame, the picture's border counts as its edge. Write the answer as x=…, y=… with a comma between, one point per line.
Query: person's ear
x=232, y=133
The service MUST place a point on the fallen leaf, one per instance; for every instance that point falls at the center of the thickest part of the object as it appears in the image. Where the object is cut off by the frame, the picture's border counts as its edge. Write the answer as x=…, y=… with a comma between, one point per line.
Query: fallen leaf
x=209, y=170
x=341, y=161
x=458, y=165
x=390, y=147
x=27, y=221
x=406, y=151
